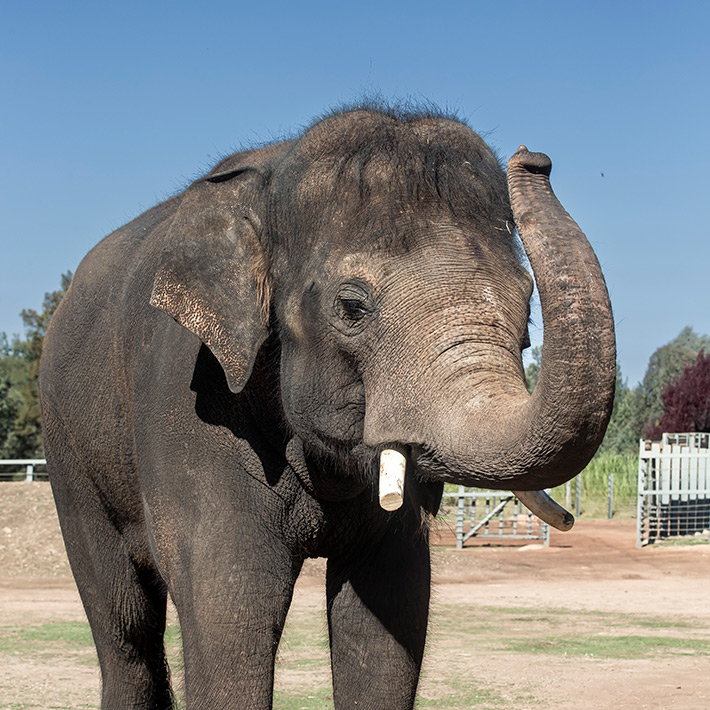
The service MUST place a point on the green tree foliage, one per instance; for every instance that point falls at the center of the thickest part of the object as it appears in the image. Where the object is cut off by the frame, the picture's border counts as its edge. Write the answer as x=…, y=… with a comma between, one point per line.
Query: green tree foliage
x=14, y=375
x=20, y=426
x=618, y=439
x=532, y=371
x=9, y=405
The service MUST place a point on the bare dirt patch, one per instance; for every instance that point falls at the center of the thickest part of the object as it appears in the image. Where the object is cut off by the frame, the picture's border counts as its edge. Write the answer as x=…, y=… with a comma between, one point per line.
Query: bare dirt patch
x=582, y=623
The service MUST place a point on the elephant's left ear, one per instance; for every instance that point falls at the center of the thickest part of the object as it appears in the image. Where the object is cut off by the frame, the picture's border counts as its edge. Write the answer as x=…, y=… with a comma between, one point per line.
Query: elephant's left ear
x=211, y=273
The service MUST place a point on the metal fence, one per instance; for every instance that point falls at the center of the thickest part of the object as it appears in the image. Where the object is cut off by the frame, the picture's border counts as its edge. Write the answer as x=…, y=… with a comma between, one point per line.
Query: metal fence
x=481, y=513
x=673, y=487
x=577, y=502
x=23, y=470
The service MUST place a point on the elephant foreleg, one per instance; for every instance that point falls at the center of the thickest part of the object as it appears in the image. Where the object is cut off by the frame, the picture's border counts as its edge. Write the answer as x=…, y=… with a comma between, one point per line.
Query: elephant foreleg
x=378, y=606
x=231, y=625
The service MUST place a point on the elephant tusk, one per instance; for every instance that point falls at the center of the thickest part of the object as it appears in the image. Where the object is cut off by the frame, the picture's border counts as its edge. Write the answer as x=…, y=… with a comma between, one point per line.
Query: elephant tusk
x=540, y=503
x=393, y=464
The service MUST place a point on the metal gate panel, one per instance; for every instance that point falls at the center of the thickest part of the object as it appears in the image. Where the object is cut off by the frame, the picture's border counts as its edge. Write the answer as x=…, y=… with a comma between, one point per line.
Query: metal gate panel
x=673, y=487
x=481, y=513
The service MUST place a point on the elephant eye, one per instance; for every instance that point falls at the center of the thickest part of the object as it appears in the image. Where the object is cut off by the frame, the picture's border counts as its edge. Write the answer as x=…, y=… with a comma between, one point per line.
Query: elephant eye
x=353, y=303
x=352, y=308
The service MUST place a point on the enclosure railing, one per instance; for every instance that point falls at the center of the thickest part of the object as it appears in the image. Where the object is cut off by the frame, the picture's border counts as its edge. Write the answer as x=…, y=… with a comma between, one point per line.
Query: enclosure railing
x=673, y=487
x=23, y=469
x=481, y=513
x=475, y=503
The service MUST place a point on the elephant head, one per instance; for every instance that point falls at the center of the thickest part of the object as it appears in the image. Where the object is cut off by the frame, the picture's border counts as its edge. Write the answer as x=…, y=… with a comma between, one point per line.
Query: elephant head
x=380, y=250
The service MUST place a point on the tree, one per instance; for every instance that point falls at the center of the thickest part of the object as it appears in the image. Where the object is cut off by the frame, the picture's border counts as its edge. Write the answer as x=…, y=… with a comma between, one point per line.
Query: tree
x=664, y=367
x=20, y=425
x=619, y=437
x=690, y=339
x=8, y=412
x=686, y=401
x=532, y=371
x=14, y=374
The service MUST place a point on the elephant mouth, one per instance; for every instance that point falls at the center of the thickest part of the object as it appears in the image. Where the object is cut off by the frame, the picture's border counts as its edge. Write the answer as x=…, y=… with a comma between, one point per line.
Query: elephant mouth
x=430, y=467
x=353, y=467
x=331, y=470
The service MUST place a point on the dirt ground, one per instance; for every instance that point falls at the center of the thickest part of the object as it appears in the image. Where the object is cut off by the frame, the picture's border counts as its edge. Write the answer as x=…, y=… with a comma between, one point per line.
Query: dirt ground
x=593, y=570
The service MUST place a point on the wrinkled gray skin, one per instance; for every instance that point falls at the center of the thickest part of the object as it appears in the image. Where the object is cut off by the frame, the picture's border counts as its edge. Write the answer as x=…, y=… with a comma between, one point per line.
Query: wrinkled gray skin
x=223, y=372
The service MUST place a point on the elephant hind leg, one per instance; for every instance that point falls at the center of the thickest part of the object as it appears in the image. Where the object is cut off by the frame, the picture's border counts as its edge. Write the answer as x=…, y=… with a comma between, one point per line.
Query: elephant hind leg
x=122, y=592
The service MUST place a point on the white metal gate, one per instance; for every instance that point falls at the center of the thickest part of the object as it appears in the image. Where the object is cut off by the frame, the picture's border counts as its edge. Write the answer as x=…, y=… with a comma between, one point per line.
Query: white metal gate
x=673, y=487
x=482, y=513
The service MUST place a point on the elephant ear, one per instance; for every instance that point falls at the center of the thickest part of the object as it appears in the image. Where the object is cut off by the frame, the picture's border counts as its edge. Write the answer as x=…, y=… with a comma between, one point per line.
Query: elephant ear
x=212, y=276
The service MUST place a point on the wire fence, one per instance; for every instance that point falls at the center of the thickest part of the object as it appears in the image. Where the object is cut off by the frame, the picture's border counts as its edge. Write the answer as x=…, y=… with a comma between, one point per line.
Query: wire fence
x=591, y=494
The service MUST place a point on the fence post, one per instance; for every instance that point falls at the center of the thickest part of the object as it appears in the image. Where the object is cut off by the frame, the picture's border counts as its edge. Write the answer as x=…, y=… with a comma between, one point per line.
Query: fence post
x=579, y=493
x=30, y=472
x=640, y=492
x=459, y=519
x=568, y=495
x=610, y=511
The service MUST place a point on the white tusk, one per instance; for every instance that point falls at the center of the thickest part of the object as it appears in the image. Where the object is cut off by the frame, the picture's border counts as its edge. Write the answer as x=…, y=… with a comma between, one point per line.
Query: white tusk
x=539, y=503
x=393, y=464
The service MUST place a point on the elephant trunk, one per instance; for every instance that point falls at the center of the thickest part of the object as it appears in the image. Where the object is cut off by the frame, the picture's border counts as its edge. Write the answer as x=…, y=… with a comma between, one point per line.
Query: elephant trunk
x=514, y=440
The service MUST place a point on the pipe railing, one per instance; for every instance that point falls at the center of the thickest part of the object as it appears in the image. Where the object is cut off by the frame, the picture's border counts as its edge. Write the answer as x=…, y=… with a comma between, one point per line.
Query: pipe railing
x=27, y=464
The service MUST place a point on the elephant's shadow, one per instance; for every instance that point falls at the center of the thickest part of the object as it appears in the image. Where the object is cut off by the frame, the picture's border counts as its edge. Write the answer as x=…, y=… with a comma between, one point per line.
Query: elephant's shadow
x=244, y=414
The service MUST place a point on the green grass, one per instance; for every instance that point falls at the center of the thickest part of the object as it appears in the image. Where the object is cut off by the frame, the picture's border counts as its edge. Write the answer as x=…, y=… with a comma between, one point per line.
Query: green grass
x=471, y=618
x=316, y=699
x=683, y=540
x=601, y=646
x=466, y=694
x=592, y=634
x=595, y=486
x=457, y=631
x=70, y=637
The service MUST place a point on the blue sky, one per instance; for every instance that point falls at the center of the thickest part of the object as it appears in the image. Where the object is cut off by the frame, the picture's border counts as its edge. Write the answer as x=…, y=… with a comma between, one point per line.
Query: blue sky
x=107, y=108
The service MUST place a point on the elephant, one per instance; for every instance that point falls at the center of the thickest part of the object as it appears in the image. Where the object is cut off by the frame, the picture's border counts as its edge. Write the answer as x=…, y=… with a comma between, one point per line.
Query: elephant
x=224, y=373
